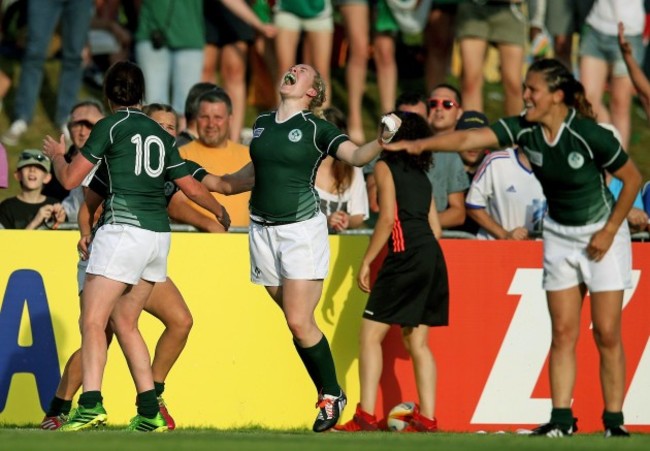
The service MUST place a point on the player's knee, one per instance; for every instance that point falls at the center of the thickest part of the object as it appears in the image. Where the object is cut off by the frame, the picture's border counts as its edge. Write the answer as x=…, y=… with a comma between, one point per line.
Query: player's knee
x=299, y=327
x=607, y=337
x=185, y=323
x=564, y=336
x=122, y=325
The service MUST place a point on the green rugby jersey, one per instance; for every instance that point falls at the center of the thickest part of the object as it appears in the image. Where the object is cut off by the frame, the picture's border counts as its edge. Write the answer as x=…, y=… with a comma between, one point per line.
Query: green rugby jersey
x=139, y=156
x=571, y=170
x=286, y=156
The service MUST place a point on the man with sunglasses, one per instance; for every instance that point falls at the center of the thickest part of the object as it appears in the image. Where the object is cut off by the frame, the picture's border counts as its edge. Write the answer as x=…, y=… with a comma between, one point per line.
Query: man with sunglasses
x=83, y=117
x=448, y=173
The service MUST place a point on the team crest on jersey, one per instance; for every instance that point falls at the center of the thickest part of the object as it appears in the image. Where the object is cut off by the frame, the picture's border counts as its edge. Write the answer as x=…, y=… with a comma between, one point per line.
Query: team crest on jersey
x=169, y=188
x=534, y=156
x=576, y=160
x=295, y=135
x=257, y=132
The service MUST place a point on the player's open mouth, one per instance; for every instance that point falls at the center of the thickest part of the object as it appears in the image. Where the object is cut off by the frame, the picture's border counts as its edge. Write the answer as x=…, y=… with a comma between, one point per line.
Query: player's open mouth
x=289, y=79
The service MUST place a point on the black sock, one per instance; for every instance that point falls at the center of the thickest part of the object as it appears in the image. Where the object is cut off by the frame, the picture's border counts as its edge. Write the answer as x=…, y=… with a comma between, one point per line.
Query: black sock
x=66, y=407
x=159, y=387
x=320, y=366
x=148, y=404
x=59, y=406
x=89, y=399
x=563, y=417
x=309, y=364
x=612, y=419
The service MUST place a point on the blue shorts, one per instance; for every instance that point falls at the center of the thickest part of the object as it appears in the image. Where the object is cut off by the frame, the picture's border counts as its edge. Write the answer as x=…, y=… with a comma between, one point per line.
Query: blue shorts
x=605, y=47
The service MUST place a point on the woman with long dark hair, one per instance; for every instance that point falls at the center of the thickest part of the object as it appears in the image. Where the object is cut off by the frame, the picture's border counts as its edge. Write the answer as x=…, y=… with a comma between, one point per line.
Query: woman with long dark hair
x=411, y=289
x=586, y=236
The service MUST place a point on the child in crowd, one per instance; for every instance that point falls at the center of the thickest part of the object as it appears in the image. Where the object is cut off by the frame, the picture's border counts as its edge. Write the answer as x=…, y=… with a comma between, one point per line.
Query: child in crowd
x=31, y=209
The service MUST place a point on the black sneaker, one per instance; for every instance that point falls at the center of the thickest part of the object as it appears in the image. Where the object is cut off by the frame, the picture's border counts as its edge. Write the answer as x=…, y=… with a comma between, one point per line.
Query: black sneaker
x=330, y=408
x=555, y=430
x=618, y=431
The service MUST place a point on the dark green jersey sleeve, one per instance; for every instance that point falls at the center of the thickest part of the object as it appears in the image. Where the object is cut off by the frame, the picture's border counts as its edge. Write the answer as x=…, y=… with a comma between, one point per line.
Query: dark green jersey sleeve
x=98, y=142
x=196, y=170
x=608, y=152
x=176, y=167
x=329, y=137
x=507, y=130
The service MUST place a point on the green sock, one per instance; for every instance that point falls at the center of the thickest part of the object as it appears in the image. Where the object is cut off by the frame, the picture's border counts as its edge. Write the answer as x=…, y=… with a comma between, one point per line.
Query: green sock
x=89, y=399
x=309, y=364
x=159, y=387
x=59, y=406
x=563, y=417
x=148, y=404
x=612, y=419
x=320, y=366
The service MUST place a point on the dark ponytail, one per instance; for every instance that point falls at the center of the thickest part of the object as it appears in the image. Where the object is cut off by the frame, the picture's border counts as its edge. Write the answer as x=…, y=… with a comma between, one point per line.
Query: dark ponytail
x=124, y=84
x=558, y=77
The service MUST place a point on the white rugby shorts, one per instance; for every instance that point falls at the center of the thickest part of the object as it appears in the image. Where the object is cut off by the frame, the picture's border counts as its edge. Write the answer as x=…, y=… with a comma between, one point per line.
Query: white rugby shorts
x=128, y=254
x=292, y=251
x=566, y=263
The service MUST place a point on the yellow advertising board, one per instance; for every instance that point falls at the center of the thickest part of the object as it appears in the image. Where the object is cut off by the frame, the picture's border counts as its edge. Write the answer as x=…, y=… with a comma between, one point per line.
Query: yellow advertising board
x=240, y=367
x=239, y=363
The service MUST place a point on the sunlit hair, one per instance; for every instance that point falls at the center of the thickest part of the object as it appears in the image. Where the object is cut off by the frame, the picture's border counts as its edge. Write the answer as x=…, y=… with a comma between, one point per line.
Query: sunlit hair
x=413, y=127
x=319, y=85
x=341, y=172
x=558, y=77
x=124, y=84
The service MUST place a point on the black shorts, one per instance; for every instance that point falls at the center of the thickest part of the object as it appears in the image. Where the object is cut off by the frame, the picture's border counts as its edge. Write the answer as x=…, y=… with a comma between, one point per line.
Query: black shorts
x=411, y=289
x=222, y=27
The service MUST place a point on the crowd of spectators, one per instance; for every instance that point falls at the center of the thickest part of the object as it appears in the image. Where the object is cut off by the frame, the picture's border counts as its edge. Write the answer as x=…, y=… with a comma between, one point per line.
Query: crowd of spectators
x=197, y=57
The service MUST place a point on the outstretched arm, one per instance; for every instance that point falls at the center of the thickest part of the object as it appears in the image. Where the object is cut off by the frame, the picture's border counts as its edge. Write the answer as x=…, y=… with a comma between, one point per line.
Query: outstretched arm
x=640, y=81
x=458, y=141
x=241, y=181
x=358, y=156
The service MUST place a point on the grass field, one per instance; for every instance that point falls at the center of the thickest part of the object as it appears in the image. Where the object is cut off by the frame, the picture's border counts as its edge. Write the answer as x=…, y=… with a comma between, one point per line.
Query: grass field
x=260, y=440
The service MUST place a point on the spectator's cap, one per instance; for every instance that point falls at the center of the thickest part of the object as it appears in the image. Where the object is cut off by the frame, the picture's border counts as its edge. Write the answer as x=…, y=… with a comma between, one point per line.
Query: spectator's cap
x=472, y=119
x=33, y=157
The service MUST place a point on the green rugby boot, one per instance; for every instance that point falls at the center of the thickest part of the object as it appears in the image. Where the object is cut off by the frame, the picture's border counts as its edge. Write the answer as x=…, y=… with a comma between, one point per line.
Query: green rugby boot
x=82, y=418
x=144, y=424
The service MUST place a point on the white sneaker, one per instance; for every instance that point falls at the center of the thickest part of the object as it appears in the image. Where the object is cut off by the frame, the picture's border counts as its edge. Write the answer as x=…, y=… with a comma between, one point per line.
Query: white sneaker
x=16, y=130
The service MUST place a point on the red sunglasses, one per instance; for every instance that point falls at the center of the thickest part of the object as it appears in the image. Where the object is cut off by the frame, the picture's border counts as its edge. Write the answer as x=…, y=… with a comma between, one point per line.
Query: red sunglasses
x=447, y=104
